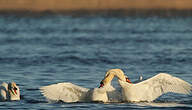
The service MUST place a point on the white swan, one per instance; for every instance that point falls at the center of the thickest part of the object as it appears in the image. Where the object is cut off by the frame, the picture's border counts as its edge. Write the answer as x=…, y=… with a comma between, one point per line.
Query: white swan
x=150, y=89
x=9, y=91
x=68, y=92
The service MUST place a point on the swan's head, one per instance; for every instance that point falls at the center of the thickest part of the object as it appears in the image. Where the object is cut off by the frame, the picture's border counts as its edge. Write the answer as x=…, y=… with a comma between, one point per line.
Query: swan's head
x=101, y=84
x=110, y=75
x=14, y=92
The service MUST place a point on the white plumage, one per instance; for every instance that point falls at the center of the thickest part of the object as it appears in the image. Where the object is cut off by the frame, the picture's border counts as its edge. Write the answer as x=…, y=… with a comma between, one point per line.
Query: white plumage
x=68, y=92
x=147, y=90
x=150, y=89
x=9, y=91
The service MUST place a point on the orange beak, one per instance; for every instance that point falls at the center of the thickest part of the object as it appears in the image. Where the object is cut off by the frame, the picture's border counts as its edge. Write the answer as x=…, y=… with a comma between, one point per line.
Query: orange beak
x=127, y=80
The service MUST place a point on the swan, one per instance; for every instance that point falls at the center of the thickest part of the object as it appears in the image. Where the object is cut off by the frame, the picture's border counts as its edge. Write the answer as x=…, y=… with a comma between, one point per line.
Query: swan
x=68, y=92
x=9, y=91
x=150, y=89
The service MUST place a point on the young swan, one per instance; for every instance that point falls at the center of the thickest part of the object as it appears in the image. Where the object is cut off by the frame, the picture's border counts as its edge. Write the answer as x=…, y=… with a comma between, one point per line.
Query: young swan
x=9, y=91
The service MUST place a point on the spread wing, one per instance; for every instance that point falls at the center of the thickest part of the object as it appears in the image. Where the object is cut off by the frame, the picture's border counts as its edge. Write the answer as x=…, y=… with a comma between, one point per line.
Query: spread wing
x=66, y=92
x=164, y=83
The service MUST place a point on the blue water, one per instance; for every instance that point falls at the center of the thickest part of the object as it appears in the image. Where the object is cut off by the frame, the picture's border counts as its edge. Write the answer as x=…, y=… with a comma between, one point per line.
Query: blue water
x=37, y=51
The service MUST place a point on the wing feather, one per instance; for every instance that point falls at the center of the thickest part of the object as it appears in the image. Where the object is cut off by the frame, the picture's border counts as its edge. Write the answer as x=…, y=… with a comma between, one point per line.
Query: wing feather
x=66, y=92
x=164, y=83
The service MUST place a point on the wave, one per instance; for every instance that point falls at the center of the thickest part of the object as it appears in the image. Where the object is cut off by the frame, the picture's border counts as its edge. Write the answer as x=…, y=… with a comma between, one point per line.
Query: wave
x=37, y=60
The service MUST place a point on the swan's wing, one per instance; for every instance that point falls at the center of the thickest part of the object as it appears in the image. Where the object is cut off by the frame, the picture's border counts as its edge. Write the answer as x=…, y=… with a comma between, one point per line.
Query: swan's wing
x=163, y=83
x=66, y=92
x=3, y=91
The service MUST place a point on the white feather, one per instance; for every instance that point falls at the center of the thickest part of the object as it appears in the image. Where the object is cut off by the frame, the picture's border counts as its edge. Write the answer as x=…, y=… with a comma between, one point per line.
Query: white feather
x=154, y=87
x=68, y=92
x=7, y=91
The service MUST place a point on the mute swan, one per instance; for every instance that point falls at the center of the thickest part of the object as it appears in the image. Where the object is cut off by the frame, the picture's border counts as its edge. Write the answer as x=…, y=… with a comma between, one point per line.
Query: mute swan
x=68, y=92
x=150, y=89
x=9, y=91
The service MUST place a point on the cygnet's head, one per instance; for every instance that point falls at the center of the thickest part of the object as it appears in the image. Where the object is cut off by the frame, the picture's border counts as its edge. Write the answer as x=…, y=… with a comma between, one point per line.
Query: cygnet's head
x=14, y=92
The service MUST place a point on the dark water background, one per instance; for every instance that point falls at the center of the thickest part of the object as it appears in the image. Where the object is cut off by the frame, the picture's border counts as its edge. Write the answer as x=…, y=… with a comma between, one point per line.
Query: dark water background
x=40, y=50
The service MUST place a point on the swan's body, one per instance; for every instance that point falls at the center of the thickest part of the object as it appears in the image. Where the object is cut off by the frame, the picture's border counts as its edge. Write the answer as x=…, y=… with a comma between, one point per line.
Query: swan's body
x=68, y=92
x=150, y=89
x=9, y=91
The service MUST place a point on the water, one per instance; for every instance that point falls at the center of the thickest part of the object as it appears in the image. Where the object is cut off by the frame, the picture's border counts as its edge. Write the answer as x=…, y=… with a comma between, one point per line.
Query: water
x=40, y=50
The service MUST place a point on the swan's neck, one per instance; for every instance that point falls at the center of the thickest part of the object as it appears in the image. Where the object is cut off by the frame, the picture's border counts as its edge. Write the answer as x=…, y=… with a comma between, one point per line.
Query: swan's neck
x=108, y=78
x=112, y=73
x=120, y=75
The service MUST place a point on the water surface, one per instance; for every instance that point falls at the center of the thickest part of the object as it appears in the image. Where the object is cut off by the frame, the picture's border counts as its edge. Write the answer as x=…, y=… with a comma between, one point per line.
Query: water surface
x=38, y=51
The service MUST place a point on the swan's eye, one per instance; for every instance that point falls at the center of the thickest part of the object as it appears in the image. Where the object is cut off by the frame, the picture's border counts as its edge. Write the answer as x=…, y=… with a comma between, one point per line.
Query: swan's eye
x=101, y=84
